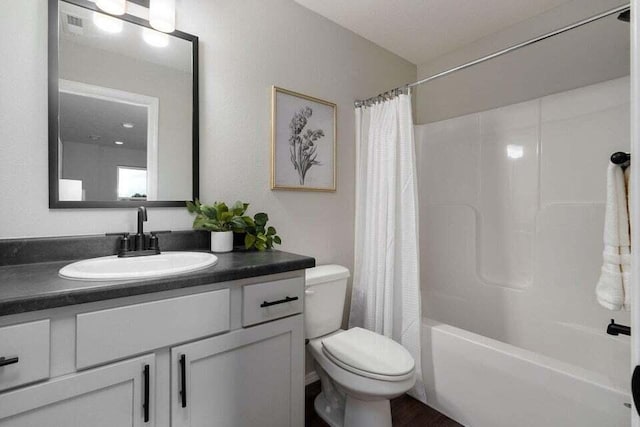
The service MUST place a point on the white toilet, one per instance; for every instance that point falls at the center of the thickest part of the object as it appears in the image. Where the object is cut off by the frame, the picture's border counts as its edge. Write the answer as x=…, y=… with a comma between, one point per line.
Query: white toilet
x=359, y=370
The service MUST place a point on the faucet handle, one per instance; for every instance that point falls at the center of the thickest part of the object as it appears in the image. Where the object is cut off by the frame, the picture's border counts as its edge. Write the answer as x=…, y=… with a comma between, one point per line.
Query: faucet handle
x=154, y=243
x=125, y=242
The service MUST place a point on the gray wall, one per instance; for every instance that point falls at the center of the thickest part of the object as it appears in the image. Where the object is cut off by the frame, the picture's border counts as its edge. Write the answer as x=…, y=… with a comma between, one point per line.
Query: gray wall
x=594, y=53
x=97, y=167
x=172, y=88
x=245, y=47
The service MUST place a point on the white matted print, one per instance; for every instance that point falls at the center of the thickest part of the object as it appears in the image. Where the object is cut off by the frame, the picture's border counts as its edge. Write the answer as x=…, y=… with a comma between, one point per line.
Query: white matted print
x=303, y=142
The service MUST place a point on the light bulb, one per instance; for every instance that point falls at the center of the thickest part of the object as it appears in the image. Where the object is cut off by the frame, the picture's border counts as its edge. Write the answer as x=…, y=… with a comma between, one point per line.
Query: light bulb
x=155, y=38
x=114, y=7
x=162, y=15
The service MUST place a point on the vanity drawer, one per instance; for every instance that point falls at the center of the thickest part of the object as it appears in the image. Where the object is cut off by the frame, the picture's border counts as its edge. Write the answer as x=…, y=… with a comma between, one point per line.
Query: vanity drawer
x=272, y=300
x=116, y=333
x=29, y=343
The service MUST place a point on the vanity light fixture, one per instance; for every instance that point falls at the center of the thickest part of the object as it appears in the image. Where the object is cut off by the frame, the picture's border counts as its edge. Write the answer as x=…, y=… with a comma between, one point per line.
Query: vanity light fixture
x=127, y=125
x=118, y=142
x=114, y=7
x=107, y=23
x=155, y=38
x=162, y=15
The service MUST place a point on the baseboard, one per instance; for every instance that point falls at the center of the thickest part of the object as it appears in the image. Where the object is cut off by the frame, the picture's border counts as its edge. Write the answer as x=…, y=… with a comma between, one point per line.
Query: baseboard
x=311, y=377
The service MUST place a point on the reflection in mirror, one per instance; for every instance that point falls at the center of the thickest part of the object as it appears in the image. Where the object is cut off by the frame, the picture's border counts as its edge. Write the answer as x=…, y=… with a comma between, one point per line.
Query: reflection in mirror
x=125, y=111
x=100, y=134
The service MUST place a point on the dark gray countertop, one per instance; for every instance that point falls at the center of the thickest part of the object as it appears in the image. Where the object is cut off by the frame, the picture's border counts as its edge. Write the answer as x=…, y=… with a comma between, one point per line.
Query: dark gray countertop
x=37, y=286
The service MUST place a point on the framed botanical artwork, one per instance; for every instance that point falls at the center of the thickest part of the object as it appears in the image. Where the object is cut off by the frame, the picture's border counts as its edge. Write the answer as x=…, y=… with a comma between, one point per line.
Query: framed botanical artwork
x=303, y=142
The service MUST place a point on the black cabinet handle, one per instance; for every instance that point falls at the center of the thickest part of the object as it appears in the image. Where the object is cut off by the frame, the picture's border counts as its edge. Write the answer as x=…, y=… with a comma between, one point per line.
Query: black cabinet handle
x=280, y=301
x=145, y=404
x=635, y=388
x=4, y=361
x=183, y=380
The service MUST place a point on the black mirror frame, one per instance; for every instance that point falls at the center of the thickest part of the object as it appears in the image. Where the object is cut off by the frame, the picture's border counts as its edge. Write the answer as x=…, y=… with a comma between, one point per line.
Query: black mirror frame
x=54, y=202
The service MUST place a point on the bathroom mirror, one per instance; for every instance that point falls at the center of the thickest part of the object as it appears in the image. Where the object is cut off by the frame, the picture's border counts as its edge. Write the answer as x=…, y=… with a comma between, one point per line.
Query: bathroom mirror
x=123, y=110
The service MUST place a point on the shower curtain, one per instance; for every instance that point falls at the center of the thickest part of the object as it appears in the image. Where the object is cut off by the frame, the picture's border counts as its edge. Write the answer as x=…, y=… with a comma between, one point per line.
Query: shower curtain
x=386, y=278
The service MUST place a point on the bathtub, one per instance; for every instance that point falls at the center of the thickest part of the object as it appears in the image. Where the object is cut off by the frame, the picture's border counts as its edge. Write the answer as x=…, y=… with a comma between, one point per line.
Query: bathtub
x=482, y=382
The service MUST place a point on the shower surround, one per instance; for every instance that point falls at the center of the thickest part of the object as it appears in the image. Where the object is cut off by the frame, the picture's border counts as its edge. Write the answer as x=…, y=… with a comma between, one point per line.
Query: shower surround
x=511, y=223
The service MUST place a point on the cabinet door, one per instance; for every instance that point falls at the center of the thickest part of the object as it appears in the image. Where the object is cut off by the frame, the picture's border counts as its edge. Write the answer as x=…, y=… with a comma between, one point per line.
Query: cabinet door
x=247, y=378
x=111, y=396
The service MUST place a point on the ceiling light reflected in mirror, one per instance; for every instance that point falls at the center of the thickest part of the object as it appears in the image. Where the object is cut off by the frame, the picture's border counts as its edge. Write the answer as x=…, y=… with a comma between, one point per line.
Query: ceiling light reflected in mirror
x=155, y=38
x=515, y=151
x=107, y=23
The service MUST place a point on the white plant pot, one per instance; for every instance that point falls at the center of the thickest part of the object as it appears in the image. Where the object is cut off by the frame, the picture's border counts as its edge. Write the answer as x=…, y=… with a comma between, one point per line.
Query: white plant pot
x=221, y=241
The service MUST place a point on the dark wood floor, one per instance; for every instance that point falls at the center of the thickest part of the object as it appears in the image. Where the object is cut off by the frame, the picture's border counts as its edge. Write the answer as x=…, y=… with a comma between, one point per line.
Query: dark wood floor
x=405, y=412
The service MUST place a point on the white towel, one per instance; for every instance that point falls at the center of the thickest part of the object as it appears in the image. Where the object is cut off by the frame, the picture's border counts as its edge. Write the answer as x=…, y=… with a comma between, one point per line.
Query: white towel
x=612, y=290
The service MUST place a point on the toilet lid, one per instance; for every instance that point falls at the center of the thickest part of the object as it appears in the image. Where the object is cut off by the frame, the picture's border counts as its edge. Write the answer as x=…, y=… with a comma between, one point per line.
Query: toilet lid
x=362, y=351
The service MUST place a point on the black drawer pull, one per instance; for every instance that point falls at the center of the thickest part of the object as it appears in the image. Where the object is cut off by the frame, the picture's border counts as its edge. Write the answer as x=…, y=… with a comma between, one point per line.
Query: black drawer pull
x=145, y=404
x=183, y=380
x=4, y=361
x=280, y=301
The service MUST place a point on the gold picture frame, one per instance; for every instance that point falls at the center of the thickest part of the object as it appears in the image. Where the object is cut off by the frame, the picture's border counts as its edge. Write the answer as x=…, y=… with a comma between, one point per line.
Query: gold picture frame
x=303, y=145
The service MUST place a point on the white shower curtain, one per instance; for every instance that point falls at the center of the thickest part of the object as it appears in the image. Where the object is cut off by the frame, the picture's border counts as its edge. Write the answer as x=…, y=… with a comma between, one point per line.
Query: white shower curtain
x=386, y=278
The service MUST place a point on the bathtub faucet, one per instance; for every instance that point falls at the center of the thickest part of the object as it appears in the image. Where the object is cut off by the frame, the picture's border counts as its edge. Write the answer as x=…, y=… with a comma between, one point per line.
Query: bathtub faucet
x=616, y=329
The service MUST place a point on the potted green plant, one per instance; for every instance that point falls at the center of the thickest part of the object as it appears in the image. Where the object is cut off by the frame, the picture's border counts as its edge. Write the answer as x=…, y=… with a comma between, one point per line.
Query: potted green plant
x=221, y=221
x=258, y=235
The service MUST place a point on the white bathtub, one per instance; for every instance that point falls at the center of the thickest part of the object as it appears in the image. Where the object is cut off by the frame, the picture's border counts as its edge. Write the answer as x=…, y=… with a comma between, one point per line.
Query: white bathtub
x=511, y=251
x=482, y=382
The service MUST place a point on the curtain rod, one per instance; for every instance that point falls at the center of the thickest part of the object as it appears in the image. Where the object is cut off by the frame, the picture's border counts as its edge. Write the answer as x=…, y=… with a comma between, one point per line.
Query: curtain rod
x=535, y=40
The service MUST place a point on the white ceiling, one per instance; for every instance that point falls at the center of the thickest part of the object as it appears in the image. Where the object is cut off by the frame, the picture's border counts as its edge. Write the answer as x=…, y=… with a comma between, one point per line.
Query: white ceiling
x=421, y=30
x=94, y=121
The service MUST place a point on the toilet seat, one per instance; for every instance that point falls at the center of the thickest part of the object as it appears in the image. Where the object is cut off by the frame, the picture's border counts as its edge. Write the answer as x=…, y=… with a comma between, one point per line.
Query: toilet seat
x=353, y=383
x=368, y=354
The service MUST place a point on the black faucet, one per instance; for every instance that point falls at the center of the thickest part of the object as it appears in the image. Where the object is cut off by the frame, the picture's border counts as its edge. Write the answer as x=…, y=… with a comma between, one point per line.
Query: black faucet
x=140, y=237
x=139, y=245
x=614, y=329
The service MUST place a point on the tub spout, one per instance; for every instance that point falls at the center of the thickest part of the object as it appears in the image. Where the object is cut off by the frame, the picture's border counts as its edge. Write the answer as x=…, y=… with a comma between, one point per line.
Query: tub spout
x=616, y=329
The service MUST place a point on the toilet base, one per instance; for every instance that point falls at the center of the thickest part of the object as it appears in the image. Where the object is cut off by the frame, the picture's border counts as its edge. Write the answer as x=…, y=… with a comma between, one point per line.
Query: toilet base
x=357, y=413
x=369, y=413
x=331, y=416
x=340, y=409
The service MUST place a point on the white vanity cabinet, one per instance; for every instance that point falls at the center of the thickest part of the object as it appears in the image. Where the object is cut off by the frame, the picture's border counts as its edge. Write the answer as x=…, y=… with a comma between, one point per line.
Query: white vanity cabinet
x=117, y=395
x=249, y=377
x=186, y=357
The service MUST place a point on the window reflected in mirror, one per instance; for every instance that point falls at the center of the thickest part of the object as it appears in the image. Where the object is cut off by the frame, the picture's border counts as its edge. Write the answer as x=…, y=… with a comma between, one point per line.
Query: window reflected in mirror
x=132, y=183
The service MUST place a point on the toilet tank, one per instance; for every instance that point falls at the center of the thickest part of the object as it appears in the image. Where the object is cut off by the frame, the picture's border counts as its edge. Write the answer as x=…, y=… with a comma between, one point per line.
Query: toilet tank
x=325, y=291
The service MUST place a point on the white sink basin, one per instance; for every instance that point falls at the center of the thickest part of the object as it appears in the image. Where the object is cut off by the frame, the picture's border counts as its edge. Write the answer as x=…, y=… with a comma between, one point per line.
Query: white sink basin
x=114, y=268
